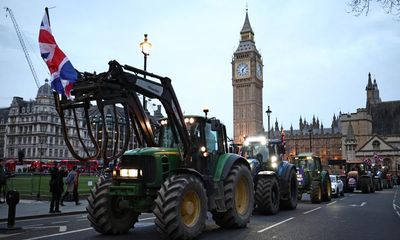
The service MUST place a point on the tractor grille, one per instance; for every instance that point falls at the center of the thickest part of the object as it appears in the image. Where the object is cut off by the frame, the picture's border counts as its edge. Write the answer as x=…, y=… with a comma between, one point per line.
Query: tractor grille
x=142, y=162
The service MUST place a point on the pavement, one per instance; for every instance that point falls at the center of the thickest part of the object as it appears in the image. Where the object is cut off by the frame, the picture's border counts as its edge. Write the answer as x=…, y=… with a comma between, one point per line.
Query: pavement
x=28, y=209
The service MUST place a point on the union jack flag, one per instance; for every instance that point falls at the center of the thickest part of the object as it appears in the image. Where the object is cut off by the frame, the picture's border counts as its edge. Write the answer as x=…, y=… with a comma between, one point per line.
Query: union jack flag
x=63, y=74
x=377, y=158
x=367, y=161
x=283, y=140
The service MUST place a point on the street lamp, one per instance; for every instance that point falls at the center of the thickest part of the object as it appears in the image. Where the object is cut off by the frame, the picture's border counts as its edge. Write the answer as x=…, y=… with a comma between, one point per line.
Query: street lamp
x=145, y=46
x=269, y=115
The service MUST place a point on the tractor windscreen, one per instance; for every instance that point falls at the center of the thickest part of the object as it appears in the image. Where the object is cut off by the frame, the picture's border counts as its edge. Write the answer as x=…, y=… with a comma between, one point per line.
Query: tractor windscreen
x=166, y=134
x=305, y=164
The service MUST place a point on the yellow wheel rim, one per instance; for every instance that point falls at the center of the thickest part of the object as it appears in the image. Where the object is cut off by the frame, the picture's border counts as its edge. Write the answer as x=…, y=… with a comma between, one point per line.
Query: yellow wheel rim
x=190, y=208
x=319, y=193
x=241, y=196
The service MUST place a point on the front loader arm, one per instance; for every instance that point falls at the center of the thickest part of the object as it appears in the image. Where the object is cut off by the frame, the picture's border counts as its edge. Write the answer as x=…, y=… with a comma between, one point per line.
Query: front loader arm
x=119, y=86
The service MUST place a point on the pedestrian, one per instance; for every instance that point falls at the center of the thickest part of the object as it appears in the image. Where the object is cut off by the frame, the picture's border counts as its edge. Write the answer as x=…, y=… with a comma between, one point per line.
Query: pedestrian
x=70, y=182
x=56, y=188
x=3, y=182
x=398, y=179
x=76, y=184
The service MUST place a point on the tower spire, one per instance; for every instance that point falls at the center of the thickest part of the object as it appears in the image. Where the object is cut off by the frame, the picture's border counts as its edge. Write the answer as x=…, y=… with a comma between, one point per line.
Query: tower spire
x=246, y=29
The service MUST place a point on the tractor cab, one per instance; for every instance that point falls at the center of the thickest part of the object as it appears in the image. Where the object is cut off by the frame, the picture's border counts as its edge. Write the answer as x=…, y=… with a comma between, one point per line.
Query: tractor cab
x=308, y=162
x=268, y=153
x=207, y=136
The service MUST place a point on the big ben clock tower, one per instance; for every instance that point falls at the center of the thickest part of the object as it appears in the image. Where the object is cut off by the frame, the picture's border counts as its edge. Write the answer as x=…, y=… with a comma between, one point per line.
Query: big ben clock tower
x=247, y=82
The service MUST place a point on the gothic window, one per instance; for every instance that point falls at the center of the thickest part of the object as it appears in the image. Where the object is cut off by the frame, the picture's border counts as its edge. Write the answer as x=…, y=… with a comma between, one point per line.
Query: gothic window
x=376, y=144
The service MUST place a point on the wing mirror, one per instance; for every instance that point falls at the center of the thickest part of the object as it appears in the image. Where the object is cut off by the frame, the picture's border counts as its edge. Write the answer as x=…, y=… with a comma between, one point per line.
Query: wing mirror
x=215, y=125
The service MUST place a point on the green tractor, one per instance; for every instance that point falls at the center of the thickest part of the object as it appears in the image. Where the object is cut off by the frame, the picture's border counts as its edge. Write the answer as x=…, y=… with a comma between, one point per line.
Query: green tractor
x=311, y=178
x=181, y=171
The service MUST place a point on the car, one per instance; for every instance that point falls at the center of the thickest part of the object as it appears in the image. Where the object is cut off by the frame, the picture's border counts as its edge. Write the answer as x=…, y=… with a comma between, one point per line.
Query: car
x=337, y=186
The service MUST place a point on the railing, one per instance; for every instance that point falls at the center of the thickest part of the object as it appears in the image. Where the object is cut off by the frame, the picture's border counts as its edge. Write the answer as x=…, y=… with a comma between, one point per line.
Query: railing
x=27, y=184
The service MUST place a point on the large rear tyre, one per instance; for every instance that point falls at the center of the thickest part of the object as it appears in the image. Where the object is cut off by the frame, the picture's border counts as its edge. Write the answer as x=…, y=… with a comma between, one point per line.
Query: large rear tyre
x=239, y=198
x=290, y=202
x=104, y=213
x=327, y=189
x=181, y=207
x=267, y=195
x=316, y=192
x=365, y=185
x=299, y=195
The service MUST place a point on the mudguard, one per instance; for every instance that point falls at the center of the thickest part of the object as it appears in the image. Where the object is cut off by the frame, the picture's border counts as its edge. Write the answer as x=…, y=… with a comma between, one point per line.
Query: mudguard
x=324, y=176
x=225, y=163
x=254, y=167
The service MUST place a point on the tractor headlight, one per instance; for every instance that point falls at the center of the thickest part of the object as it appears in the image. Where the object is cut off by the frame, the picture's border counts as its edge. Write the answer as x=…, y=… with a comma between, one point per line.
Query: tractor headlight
x=274, y=165
x=132, y=173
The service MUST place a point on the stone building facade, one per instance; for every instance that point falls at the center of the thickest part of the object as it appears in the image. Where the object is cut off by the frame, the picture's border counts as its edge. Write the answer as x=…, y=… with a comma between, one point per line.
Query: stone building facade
x=247, y=82
x=34, y=128
x=373, y=132
x=312, y=137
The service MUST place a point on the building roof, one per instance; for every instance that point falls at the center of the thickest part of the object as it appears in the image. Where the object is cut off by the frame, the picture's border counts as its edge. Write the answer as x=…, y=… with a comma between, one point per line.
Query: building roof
x=4, y=114
x=246, y=26
x=45, y=90
x=247, y=44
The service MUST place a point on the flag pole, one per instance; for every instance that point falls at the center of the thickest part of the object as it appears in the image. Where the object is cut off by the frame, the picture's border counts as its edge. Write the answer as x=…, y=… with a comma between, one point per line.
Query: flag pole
x=47, y=13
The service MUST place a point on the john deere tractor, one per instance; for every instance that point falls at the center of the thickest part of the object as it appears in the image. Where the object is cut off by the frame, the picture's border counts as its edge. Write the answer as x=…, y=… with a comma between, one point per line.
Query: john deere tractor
x=311, y=178
x=181, y=170
x=275, y=179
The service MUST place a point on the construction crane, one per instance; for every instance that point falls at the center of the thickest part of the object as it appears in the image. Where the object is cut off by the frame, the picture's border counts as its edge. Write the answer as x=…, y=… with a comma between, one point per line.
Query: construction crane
x=21, y=40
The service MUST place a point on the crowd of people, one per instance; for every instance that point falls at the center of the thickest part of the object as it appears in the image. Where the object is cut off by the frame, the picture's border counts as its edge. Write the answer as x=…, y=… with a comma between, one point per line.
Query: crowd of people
x=57, y=175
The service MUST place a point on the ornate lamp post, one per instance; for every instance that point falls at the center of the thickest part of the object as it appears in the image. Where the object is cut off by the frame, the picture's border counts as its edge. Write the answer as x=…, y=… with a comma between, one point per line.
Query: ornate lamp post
x=269, y=115
x=145, y=46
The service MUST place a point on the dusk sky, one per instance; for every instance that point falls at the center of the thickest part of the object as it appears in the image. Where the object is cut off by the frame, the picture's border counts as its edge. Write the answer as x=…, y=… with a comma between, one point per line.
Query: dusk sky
x=316, y=54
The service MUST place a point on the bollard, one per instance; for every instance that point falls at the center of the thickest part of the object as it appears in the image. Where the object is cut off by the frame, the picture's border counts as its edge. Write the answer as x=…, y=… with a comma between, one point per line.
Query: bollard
x=12, y=199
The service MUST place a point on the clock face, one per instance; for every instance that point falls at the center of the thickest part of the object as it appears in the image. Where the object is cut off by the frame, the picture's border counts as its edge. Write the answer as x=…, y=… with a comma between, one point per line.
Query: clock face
x=242, y=70
x=259, y=70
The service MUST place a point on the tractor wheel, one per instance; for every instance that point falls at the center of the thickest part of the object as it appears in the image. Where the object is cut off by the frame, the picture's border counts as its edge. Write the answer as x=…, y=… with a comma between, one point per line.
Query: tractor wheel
x=365, y=185
x=267, y=195
x=316, y=192
x=299, y=195
x=181, y=207
x=291, y=201
x=104, y=213
x=239, y=198
x=327, y=189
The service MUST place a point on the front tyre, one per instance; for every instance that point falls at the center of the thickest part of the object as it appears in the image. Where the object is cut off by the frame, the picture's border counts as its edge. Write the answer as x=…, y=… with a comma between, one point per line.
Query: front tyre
x=316, y=192
x=267, y=195
x=181, y=207
x=327, y=189
x=104, y=213
x=239, y=198
x=290, y=202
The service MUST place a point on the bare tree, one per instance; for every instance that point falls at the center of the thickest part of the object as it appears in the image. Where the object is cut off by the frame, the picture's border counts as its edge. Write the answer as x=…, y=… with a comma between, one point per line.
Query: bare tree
x=363, y=6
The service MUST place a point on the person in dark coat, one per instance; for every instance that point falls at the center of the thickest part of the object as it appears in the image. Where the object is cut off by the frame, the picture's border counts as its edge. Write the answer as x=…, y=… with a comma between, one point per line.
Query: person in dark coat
x=56, y=188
